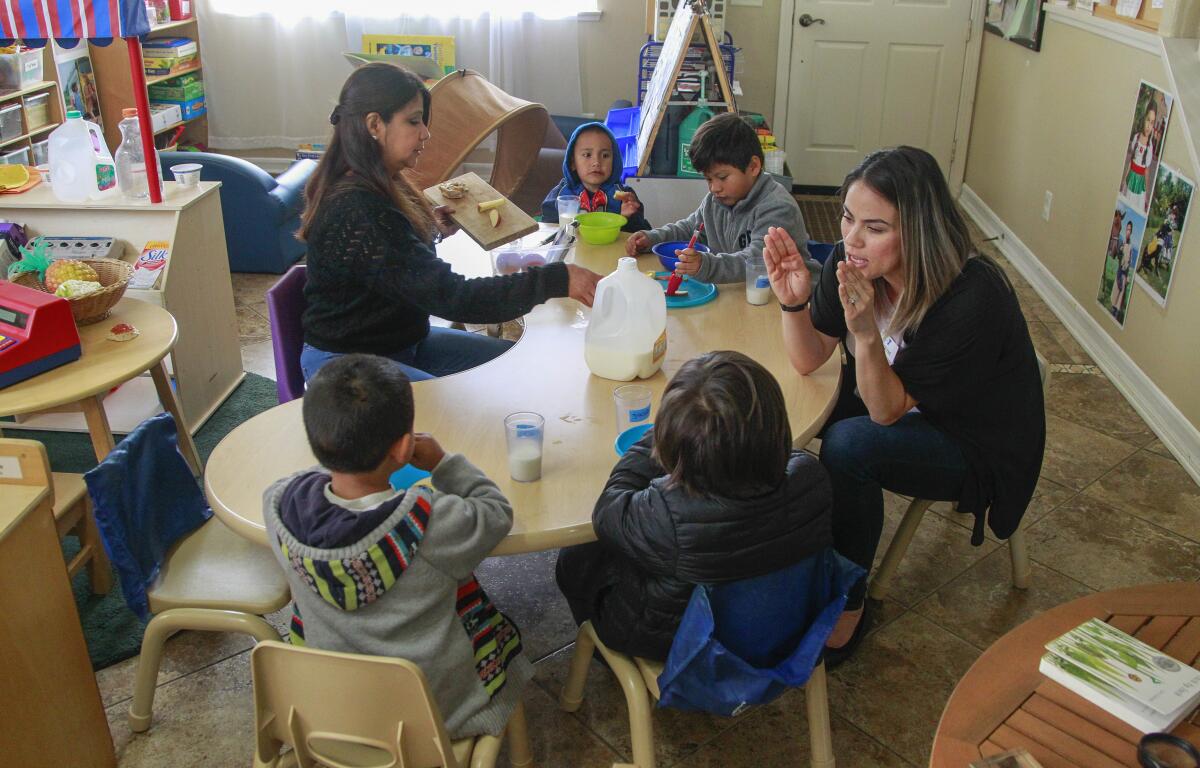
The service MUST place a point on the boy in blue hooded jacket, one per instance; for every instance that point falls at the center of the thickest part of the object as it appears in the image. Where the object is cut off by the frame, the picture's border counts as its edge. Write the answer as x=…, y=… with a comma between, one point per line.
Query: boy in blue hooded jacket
x=592, y=172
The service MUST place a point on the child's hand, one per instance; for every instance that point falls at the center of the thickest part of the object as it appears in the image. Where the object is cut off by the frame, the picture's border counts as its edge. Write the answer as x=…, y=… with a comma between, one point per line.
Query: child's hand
x=441, y=218
x=427, y=452
x=689, y=261
x=629, y=202
x=638, y=242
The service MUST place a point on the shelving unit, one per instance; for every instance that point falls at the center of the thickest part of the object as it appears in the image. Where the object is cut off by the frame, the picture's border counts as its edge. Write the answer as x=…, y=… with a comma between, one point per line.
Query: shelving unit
x=113, y=80
x=54, y=108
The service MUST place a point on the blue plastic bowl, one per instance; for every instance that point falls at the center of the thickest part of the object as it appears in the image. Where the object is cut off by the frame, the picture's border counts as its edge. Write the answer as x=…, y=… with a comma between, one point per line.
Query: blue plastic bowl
x=626, y=439
x=666, y=252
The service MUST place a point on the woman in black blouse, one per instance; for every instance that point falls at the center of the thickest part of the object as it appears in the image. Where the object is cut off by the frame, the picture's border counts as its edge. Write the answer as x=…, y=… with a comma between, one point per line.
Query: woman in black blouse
x=373, y=275
x=941, y=397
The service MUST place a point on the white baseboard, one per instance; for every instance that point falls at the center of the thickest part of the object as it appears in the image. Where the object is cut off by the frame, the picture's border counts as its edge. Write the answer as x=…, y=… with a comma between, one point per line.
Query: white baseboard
x=1180, y=436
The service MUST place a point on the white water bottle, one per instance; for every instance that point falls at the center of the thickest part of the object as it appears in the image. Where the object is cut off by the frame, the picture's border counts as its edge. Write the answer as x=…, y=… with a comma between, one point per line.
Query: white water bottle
x=627, y=335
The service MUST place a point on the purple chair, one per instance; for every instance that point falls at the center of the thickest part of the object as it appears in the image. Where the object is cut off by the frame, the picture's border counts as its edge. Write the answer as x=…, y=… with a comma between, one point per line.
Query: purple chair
x=285, y=305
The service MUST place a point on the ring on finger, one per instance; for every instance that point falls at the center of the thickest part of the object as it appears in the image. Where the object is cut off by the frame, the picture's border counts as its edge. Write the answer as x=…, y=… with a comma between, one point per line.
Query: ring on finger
x=853, y=299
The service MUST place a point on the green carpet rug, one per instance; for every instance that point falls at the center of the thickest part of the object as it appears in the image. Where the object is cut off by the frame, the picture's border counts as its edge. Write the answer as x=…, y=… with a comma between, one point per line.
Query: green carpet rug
x=112, y=632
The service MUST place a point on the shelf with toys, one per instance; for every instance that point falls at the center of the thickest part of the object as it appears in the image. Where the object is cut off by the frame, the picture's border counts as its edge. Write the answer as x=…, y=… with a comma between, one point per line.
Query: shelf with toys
x=30, y=106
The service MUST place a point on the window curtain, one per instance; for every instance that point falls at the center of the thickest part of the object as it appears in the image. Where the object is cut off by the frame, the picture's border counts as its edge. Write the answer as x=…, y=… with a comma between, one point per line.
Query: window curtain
x=272, y=80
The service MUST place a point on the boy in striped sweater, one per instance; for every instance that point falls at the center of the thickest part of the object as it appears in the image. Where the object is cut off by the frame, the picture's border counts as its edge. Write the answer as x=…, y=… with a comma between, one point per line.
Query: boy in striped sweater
x=389, y=573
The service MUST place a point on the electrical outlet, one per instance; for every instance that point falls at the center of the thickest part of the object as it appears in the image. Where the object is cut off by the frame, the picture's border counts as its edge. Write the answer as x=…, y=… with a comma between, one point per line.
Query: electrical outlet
x=1046, y=205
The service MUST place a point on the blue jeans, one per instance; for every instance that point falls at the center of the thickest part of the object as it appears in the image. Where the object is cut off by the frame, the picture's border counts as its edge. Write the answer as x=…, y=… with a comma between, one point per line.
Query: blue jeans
x=911, y=457
x=443, y=352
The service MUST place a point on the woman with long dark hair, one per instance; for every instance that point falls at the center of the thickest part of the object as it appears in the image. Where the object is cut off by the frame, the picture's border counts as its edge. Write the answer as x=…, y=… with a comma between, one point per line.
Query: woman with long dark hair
x=373, y=275
x=941, y=395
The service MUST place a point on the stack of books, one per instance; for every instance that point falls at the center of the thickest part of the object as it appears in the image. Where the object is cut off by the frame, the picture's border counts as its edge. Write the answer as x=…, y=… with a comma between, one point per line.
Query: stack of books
x=1123, y=676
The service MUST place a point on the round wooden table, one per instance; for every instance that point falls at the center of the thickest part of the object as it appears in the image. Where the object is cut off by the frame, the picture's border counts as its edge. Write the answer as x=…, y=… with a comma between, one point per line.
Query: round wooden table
x=544, y=372
x=81, y=385
x=1003, y=702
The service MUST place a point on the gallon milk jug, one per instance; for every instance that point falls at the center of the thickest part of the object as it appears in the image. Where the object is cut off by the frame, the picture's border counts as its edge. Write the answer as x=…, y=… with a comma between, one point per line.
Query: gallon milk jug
x=80, y=164
x=627, y=335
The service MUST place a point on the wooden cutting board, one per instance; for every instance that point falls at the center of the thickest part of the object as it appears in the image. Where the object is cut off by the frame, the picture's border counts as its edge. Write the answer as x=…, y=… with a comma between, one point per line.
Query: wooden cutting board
x=514, y=222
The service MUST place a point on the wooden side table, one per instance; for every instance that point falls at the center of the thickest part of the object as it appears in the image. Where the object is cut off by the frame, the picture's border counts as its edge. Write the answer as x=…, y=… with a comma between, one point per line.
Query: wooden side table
x=1003, y=701
x=82, y=385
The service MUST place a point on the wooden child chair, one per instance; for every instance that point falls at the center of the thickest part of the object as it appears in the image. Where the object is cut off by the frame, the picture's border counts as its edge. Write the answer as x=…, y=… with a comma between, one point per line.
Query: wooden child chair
x=354, y=711
x=72, y=509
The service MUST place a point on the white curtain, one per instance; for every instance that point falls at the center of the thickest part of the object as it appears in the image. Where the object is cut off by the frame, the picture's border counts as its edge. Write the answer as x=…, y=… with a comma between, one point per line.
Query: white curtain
x=271, y=79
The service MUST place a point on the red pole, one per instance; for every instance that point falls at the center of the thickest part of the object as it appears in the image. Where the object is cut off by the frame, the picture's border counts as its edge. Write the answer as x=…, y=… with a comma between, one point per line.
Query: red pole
x=153, y=172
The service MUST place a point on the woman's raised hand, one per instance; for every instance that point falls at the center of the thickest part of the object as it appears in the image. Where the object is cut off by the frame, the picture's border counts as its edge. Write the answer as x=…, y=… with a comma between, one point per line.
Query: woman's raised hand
x=786, y=269
x=441, y=218
x=858, y=300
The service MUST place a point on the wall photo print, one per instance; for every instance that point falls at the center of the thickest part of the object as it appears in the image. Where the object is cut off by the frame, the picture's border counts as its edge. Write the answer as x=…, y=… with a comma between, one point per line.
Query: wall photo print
x=79, y=86
x=1164, y=231
x=1020, y=21
x=1151, y=113
x=1120, y=261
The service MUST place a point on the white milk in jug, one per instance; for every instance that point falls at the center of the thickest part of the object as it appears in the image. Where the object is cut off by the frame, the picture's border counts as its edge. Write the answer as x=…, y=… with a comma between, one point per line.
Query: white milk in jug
x=627, y=335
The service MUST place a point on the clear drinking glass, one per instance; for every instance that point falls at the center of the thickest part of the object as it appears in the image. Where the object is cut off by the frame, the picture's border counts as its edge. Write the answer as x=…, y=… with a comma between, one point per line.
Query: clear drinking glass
x=524, y=431
x=568, y=207
x=633, y=405
x=758, y=285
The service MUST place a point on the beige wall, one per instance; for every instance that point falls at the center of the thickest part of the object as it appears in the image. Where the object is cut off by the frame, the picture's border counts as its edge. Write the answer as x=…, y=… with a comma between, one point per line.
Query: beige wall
x=608, y=53
x=1059, y=120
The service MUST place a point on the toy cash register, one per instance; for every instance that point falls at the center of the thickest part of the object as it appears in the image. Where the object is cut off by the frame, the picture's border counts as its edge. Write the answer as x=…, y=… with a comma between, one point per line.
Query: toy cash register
x=37, y=333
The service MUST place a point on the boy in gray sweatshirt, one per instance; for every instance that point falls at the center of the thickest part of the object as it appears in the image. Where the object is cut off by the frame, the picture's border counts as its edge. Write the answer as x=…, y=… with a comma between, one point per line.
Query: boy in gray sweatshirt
x=389, y=572
x=742, y=202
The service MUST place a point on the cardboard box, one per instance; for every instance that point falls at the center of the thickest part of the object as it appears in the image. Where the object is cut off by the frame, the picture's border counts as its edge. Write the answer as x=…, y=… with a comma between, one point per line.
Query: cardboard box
x=156, y=67
x=177, y=47
x=188, y=109
x=178, y=89
x=162, y=115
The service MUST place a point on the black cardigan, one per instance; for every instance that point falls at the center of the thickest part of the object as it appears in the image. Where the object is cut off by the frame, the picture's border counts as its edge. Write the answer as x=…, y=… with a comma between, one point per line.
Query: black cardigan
x=971, y=367
x=373, y=282
x=663, y=542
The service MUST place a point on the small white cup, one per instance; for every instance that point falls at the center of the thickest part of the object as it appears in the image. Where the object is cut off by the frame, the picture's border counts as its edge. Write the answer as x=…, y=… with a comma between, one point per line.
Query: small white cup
x=187, y=174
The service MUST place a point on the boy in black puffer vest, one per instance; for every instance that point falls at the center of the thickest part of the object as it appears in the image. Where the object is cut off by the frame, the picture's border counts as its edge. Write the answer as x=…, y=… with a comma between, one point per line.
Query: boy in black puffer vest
x=714, y=493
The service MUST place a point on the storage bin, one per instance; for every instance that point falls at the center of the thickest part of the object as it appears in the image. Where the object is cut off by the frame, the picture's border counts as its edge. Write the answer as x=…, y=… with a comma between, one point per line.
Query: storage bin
x=41, y=152
x=16, y=157
x=20, y=70
x=10, y=122
x=37, y=111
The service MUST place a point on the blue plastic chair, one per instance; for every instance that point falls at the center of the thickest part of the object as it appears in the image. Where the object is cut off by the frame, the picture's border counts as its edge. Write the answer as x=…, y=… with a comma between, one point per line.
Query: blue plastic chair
x=735, y=647
x=175, y=561
x=820, y=251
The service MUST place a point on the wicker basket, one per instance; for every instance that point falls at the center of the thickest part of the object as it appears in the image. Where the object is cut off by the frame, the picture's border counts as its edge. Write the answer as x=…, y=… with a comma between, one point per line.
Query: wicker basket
x=95, y=306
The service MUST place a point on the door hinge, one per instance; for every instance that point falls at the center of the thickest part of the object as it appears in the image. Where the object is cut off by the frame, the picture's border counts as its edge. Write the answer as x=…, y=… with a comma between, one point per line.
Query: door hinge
x=953, y=150
x=970, y=29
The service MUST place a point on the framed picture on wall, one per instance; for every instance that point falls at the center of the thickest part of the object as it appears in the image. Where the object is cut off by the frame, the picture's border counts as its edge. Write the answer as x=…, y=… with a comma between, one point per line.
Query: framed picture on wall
x=1020, y=21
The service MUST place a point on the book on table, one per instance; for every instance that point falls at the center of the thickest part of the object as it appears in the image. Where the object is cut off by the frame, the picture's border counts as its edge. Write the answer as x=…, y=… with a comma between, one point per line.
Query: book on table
x=1122, y=675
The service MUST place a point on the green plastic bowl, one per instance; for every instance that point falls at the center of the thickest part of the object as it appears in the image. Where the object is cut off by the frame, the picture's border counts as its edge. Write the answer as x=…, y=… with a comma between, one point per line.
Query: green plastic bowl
x=600, y=227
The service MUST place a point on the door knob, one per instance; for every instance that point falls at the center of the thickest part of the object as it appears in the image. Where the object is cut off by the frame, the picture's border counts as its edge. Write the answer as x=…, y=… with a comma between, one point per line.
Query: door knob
x=806, y=20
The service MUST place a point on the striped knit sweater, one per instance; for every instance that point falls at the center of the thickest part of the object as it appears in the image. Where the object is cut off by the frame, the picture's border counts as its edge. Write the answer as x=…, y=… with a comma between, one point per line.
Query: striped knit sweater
x=397, y=580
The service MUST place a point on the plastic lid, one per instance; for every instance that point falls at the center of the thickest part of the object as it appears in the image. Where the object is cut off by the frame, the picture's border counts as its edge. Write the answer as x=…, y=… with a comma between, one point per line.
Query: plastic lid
x=129, y=112
x=626, y=262
x=74, y=114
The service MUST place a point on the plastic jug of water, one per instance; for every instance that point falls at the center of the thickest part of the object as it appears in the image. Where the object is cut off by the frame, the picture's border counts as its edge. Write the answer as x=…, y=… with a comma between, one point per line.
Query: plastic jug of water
x=81, y=167
x=627, y=335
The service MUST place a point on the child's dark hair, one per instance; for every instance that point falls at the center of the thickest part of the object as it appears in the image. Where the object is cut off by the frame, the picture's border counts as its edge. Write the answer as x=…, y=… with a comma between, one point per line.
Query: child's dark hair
x=355, y=409
x=722, y=427
x=727, y=139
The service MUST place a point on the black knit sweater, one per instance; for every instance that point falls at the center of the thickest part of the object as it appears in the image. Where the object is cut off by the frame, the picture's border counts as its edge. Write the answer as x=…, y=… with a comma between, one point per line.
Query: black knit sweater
x=373, y=281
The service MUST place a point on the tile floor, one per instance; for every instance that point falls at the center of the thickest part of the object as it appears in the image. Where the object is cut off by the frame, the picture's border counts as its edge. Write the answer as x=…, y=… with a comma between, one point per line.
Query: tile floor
x=1113, y=508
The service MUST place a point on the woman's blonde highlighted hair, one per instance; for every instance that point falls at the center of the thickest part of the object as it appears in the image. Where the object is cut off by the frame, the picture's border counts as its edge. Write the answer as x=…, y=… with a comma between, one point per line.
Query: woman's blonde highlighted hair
x=935, y=243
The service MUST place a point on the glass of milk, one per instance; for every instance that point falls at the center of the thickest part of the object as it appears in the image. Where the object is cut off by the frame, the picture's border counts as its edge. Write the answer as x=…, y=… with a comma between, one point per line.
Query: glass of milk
x=758, y=285
x=524, y=431
x=568, y=207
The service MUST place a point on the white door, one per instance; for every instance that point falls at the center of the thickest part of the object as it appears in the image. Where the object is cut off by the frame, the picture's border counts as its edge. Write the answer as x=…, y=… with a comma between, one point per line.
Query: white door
x=866, y=74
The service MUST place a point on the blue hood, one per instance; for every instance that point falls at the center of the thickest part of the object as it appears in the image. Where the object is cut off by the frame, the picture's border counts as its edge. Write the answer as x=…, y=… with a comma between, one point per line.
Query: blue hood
x=572, y=178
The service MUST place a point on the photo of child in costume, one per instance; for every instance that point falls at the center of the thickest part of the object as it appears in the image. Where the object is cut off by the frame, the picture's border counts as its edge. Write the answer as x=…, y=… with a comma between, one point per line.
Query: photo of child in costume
x=1116, y=282
x=1150, y=116
x=1164, y=231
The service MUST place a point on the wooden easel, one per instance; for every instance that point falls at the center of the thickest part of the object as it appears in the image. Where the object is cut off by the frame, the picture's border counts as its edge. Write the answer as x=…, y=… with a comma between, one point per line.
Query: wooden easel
x=688, y=16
